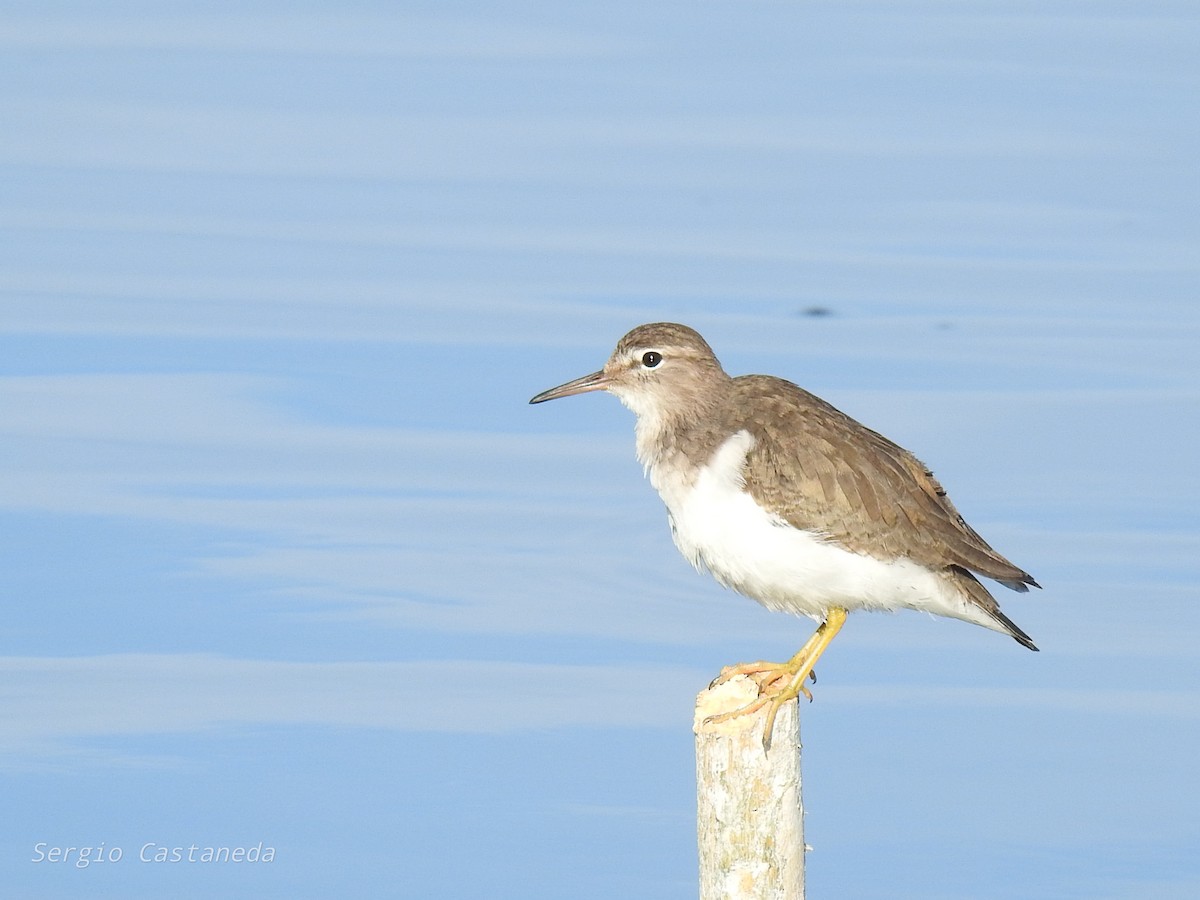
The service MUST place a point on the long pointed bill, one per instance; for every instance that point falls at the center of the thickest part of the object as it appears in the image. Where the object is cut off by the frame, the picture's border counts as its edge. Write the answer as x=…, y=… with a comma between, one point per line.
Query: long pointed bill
x=597, y=381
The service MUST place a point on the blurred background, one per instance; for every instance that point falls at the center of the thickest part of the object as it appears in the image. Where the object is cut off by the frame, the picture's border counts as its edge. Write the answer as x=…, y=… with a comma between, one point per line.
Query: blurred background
x=288, y=560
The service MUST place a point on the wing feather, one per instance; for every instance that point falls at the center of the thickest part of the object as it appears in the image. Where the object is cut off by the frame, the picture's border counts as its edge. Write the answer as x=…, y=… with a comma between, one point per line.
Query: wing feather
x=822, y=471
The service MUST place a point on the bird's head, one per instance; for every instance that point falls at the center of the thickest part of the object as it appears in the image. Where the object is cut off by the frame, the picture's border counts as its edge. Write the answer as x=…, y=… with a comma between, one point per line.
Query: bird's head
x=657, y=370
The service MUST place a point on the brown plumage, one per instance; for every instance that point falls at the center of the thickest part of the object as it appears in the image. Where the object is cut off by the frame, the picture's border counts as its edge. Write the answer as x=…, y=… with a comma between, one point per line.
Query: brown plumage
x=809, y=465
x=861, y=490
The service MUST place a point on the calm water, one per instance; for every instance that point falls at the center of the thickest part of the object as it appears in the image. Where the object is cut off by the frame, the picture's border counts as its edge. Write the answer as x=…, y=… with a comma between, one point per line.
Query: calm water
x=289, y=561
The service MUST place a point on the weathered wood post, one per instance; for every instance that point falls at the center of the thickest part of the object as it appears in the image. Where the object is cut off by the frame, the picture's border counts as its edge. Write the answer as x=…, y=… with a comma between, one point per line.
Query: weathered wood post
x=750, y=818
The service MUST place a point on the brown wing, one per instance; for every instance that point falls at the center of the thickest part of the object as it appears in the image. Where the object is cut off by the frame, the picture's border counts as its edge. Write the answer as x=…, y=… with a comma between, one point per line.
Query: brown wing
x=824, y=472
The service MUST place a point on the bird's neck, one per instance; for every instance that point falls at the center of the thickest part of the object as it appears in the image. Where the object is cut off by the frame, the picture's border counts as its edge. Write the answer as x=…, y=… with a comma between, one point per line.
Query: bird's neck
x=656, y=437
x=675, y=444
x=675, y=429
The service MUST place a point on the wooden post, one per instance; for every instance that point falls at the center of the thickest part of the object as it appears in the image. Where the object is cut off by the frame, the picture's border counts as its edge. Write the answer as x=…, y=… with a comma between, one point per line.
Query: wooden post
x=750, y=819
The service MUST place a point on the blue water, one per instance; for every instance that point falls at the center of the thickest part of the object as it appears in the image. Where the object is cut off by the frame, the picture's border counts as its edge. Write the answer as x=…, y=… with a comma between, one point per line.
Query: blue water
x=289, y=560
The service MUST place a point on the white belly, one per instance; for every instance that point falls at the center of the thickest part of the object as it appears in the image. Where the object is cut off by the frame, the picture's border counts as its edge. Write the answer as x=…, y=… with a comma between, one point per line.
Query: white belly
x=719, y=527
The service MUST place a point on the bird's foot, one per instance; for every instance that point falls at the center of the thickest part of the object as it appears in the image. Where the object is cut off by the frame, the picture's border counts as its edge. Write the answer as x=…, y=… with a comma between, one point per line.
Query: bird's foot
x=764, y=674
x=779, y=683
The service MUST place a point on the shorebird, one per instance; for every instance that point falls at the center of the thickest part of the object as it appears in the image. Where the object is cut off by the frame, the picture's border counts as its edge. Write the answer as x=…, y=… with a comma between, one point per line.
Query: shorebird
x=791, y=502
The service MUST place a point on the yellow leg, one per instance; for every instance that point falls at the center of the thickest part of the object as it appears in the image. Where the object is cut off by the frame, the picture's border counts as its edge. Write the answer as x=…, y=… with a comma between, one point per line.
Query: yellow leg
x=780, y=682
x=765, y=674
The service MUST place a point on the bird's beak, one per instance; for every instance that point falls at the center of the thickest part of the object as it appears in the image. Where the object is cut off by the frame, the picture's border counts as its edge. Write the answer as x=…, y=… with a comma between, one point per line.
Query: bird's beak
x=597, y=381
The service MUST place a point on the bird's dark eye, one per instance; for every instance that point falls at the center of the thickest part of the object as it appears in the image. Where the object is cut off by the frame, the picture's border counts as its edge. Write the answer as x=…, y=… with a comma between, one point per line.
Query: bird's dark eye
x=651, y=358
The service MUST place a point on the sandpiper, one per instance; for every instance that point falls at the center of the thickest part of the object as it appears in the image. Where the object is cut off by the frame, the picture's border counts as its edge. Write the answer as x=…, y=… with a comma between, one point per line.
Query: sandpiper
x=789, y=501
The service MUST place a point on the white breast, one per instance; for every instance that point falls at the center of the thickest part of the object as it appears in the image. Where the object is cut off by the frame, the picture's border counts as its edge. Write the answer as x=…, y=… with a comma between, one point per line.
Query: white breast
x=720, y=528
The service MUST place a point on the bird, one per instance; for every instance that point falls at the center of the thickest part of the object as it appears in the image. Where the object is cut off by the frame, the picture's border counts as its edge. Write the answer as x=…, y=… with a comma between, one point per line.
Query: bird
x=787, y=500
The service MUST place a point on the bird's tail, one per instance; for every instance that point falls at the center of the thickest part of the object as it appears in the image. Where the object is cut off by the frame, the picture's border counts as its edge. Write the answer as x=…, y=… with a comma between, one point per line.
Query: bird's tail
x=979, y=595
